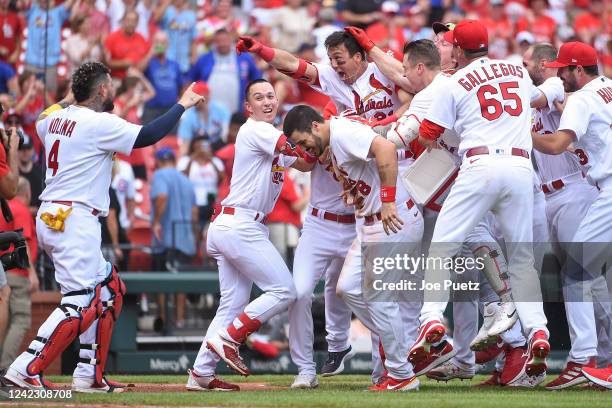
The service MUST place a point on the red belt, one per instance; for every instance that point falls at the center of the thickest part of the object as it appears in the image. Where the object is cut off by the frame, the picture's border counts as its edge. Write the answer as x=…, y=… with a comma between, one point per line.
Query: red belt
x=371, y=219
x=485, y=150
x=232, y=211
x=69, y=204
x=339, y=218
x=556, y=185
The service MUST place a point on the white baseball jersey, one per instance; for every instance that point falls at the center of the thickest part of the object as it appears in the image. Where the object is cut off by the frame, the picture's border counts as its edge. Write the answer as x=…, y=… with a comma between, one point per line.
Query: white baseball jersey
x=257, y=175
x=487, y=104
x=546, y=120
x=349, y=144
x=79, y=147
x=371, y=95
x=588, y=113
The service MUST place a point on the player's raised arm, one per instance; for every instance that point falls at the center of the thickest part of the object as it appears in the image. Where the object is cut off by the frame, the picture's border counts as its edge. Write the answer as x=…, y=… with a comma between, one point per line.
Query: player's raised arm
x=388, y=65
x=281, y=60
x=385, y=154
x=155, y=130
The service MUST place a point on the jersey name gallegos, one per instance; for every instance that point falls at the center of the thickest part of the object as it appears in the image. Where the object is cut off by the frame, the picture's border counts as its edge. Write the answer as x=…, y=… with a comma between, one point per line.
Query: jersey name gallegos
x=487, y=73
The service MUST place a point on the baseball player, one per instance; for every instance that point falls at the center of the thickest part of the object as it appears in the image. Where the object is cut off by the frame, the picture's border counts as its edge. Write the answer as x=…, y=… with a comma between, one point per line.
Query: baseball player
x=239, y=241
x=80, y=140
x=427, y=80
x=367, y=166
x=568, y=197
x=585, y=121
x=356, y=85
x=487, y=104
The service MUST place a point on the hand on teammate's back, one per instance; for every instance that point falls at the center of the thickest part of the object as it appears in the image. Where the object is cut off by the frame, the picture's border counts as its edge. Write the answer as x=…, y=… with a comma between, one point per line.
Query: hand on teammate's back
x=190, y=98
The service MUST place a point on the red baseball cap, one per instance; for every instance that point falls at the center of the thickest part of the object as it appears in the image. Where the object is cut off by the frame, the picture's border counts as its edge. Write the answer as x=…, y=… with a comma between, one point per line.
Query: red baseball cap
x=574, y=53
x=470, y=35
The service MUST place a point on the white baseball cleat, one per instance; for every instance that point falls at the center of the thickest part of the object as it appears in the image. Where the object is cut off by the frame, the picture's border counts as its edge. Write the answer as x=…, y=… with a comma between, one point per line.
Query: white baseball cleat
x=526, y=381
x=505, y=317
x=483, y=339
x=228, y=352
x=90, y=386
x=451, y=370
x=305, y=381
x=23, y=381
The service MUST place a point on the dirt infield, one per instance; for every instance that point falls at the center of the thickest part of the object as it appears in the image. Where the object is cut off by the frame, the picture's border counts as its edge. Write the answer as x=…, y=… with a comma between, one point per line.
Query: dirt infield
x=248, y=386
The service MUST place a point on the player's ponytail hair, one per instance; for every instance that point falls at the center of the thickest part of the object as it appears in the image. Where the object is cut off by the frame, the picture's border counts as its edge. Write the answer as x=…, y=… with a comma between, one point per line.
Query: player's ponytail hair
x=300, y=119
x=86, y=78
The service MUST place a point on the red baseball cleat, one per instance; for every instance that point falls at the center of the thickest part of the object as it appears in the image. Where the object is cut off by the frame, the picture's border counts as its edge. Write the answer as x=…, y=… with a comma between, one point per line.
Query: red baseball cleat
x=437, y=355
x=571, y=375
x=429, y=333
x=490, y=353
x=228, y=352
x=514, y=367
x=200, y=383
x=493, y=380
x=536, y=354
x=599, y=376
x=391, y=384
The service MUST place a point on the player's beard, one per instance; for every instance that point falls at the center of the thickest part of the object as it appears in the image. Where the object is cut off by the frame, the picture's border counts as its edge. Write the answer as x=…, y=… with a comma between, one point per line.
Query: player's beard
x=108, y=105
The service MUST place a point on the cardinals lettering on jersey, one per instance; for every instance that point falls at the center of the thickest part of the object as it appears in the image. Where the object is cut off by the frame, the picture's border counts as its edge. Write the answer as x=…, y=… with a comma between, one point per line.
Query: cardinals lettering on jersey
x=483, y=74
x=277, y=172
x=61, y=126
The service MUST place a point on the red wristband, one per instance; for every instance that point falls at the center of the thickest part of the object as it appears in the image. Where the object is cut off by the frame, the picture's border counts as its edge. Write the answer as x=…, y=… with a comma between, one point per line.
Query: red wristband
x=387, y=194
x=266, y=53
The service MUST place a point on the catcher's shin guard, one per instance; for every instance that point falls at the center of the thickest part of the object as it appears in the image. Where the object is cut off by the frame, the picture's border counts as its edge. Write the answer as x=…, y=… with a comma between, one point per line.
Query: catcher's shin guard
x=106, y=322
x=64, y=324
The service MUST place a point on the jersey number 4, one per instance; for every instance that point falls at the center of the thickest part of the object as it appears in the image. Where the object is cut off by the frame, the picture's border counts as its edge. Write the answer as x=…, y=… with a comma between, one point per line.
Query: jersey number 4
x=491, y=108
x=52, y=161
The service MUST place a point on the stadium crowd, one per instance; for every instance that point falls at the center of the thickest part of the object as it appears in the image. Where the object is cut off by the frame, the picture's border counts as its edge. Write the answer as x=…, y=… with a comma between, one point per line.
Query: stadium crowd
x=157, y=47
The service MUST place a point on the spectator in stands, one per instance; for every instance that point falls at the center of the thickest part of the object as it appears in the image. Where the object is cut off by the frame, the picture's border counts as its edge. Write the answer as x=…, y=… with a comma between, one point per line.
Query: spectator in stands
x=11, y=35
x=210, y=120
x=41, y=33
x=125, y=47
x=30, y=104
x=8, y=79
x=116, y=10
x=543, y=27
x=23, y=282
x=134, y=91
x=179, y=22
x=292, y=26
x=326, y=26
x=173, y=214
x=285, y=221
x=360, y=13
x=417, y=28
x=589, y=25
x=99, y=25
x=221, y=18
x=205, y=173
x=113, y=235
x=29, y=170
x=226, y=72
x=388, y=32
x=165, y=77
x=227, y=153
x=80, y=45
x=124, y=189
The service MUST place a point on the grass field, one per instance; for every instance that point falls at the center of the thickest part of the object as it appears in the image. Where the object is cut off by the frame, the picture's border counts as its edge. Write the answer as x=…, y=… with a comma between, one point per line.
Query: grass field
x=341, y=392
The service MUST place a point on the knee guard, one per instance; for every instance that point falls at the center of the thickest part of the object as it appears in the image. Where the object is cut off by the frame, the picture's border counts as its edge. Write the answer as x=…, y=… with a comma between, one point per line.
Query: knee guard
x=495, y=270
x=110, y=313
x=72, y=321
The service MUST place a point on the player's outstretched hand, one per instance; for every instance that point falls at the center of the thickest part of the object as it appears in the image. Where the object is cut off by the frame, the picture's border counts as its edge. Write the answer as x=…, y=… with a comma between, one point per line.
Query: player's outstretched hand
x=190, y=97
x=361, y=37
x=248, y=44
x=390, y=219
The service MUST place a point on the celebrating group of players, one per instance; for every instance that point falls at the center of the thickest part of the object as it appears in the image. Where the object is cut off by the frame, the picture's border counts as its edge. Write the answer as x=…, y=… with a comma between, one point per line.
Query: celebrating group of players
x=447, y=96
